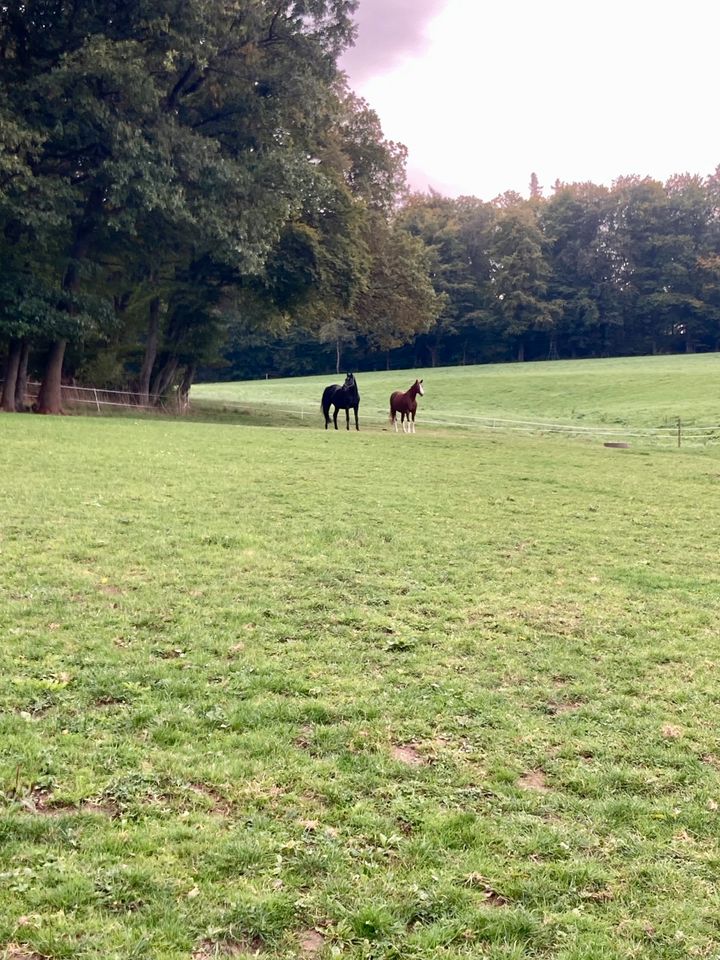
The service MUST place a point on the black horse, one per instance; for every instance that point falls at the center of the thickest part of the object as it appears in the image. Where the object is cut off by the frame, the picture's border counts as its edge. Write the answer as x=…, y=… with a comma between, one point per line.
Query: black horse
x=342, y=398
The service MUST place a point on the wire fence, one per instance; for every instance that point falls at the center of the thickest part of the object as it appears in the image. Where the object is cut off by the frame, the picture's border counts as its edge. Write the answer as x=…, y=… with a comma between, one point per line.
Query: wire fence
x=671, y=434
x=97, y=398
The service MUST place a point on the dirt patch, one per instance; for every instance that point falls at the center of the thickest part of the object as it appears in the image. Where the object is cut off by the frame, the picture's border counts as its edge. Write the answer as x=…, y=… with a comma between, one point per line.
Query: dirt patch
x=491, y=895
x=671, y=732
x=216, y=949
x=43, y=804
x=218, y=803
x=108, y=701
x=533, y=780
x=109, y=590
x=311, y=942
x=305, y=738
x=557, y=708
x=408, y=754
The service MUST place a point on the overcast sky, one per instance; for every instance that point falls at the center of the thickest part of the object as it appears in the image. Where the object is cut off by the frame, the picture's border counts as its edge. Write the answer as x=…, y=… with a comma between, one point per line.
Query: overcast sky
x=484, y=92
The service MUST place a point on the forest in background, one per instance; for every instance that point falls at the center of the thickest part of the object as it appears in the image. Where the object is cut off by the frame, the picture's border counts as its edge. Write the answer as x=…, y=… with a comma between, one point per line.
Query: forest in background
x=189, y=188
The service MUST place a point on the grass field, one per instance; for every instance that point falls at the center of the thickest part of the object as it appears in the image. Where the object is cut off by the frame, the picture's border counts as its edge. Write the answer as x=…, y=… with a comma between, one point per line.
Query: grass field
x=629, y=392
x=296, y=694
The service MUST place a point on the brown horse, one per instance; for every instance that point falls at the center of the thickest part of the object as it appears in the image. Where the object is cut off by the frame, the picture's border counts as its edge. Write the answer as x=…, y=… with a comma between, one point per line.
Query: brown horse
x=405, y=404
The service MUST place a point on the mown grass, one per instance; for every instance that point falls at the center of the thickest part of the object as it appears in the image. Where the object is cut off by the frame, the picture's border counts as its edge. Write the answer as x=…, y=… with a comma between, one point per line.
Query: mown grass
x=634, y=391
x=295, y=693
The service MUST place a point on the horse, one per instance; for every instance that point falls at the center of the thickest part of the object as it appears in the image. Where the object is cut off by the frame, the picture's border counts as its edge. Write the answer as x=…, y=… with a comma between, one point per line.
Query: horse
x=342, y=397
x=405, y=404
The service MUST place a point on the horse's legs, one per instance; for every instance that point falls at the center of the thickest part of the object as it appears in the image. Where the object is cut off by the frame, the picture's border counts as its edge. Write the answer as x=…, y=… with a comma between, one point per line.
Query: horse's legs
x=413, y=422
x=347, y=418
x=404, y=424
x=357, y=424
x=335, y=413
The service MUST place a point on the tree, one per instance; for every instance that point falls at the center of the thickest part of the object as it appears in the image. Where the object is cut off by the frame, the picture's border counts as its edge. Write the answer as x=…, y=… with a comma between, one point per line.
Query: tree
x=520, y=276
x=456, y=234
x=398, y=300
x=200, y=115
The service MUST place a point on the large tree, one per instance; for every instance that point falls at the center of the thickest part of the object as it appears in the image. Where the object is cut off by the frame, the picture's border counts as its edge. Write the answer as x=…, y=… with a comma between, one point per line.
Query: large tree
x=197, y=113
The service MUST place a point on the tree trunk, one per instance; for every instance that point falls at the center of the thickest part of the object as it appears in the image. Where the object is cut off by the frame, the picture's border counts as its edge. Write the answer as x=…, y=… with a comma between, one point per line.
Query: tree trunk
x=552, y=349
x=184, y=388
x=163, y=378
x=338, y=355
x=21, y=383
x=50, y=397
x=521, y=352
x=151, y=348
x=12, y=365
x=433, y=355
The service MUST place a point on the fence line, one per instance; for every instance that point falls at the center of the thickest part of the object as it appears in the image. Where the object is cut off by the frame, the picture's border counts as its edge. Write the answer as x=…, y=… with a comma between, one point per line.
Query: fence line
x=702, y=433
x=691, y=435
x=97, y=397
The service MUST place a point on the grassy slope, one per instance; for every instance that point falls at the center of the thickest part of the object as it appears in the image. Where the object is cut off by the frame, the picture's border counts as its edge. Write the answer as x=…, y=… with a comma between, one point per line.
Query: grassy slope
x=638, y=391
x=434, y=697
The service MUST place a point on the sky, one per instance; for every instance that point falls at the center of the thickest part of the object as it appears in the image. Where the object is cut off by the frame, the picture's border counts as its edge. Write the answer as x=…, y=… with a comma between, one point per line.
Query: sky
x=485, y=92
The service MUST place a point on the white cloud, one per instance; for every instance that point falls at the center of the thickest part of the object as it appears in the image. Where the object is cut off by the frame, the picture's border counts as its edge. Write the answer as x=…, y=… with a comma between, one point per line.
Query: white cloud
x=575, y=91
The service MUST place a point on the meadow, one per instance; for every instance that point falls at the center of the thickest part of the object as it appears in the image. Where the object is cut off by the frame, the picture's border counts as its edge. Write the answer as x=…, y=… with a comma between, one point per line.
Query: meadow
x=291, y=693
x=619, y=392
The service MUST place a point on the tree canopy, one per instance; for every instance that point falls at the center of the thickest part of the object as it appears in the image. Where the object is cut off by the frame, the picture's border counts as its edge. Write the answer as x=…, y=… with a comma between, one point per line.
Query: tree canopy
x=190, y=185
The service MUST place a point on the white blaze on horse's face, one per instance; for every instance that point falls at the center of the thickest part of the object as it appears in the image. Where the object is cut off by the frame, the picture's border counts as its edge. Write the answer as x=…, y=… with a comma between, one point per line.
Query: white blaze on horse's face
x=420, y=388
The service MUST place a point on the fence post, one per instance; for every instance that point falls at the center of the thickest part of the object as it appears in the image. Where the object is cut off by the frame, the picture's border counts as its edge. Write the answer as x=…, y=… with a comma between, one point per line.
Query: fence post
x=97, y=402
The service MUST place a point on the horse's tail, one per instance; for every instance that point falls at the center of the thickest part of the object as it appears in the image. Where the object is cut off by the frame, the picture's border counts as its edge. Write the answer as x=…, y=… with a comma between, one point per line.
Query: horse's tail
x=326, y=401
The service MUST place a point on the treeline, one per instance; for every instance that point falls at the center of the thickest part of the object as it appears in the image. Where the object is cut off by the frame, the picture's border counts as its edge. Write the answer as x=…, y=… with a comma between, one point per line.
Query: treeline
x=189, y=186
x=588, y=271
x=175, y=174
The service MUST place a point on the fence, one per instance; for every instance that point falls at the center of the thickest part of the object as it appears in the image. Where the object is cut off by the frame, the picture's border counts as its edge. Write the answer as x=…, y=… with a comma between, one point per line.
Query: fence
x=675, y=434
x=93, y=397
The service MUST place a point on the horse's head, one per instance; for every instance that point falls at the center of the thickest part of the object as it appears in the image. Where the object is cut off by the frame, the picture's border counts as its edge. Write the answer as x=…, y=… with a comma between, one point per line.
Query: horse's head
x=349, y=380
x=419, y=385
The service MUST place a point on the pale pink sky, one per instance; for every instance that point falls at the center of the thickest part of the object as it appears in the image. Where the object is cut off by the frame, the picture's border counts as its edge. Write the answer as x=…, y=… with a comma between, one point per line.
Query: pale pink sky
x=484, y=93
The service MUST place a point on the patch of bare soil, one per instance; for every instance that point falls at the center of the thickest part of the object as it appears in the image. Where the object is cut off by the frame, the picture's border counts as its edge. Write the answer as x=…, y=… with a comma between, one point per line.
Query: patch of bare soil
x=408, y=754
x=557, y=708
x=111, y=591
x=219, y=804
x=43, y=804
x=305, y=738
x=492, y=897
x=311, y=943
x=533, y=780
x=108, y=701
x=671, y=732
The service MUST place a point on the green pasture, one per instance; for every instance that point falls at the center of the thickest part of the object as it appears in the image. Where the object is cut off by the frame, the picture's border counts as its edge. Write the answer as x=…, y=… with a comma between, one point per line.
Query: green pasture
x=627, y=392
x=294, y=694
